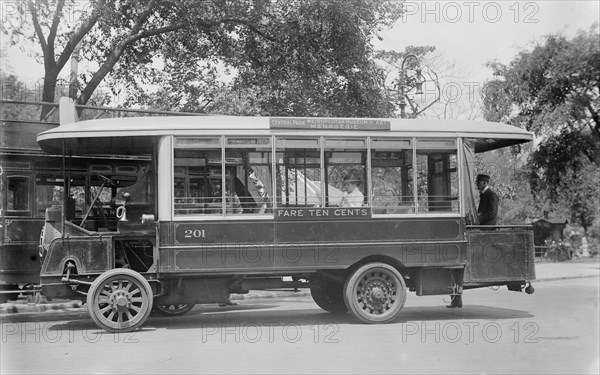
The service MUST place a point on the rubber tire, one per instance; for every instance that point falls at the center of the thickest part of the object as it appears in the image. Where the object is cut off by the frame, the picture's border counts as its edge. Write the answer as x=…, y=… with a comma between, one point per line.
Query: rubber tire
x=330, y=297
x=181, y=309
x=143, y=302
x=367, y=275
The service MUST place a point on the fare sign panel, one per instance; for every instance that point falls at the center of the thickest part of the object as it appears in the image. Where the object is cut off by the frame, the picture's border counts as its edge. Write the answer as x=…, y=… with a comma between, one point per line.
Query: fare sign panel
x=312, y=213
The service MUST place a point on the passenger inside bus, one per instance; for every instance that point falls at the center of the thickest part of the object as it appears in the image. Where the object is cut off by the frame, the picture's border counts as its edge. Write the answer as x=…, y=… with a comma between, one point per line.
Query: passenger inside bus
x=252, y=196
x=352, y=196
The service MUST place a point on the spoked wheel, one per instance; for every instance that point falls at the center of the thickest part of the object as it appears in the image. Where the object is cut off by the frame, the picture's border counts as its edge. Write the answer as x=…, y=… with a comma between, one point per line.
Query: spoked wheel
x=329, y=295
x=120, y=300
x=173, y=310
x=375, y=293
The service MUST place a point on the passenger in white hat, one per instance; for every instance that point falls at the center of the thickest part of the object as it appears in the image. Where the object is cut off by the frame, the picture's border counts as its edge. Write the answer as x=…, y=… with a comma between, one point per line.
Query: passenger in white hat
x=352, y=195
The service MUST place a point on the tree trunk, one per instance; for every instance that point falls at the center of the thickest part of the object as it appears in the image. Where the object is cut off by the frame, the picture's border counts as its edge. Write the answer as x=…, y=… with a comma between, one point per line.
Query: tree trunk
x=48, y=94
x=89, y=89
x=73, y=81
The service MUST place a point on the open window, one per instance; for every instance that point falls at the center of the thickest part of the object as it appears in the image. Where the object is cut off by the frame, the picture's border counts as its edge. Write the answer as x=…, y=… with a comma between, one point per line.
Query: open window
x=249, y=185
x=299, y=172
x=437, y=175
x=392, y=176
x=198, y=176
x=343, y=158
x=205, y=183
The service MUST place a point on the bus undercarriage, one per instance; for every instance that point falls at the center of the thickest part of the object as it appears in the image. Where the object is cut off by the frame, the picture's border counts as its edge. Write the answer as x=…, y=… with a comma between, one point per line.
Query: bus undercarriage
x=121, y=275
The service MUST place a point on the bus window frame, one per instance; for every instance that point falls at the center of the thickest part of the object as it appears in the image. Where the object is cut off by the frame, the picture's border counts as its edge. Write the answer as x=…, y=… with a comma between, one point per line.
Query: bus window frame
x=173, y=176
x=223, y=216
x=171, y=141
x=459, y=167
x=370, y=147
x=239, y=147
x=364, y=169
x=320, y=142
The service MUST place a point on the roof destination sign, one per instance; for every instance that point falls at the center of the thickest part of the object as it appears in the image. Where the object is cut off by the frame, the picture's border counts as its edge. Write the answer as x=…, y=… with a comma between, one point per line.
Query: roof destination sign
x=329, y=123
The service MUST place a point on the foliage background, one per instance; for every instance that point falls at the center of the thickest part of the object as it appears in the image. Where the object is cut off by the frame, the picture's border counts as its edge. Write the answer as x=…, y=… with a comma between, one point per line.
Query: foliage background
x=308, y=58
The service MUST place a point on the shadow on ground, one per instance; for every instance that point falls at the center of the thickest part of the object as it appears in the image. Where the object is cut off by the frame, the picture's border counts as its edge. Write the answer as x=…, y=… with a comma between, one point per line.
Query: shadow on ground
x=249, y=314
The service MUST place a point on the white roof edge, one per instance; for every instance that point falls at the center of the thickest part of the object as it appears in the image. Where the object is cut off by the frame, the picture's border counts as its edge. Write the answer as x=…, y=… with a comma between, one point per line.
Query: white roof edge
x=192, y=125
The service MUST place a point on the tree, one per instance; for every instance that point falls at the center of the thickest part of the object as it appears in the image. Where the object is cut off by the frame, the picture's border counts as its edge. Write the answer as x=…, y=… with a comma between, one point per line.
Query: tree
x=313, y=59
x=14, y=89
x=298, y=51
x=47, y=17
x=508, y=177
x=554, y=91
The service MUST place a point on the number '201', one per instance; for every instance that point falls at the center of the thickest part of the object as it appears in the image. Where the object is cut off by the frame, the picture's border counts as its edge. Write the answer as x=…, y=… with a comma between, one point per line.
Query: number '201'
x=194, y=233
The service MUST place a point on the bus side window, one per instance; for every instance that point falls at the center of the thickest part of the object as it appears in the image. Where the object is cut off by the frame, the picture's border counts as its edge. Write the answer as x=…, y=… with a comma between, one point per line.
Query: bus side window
x=299, y=172
x=197, y=177
x=391, y=176
x=249, y=182
x=343, y=157
x=437, y=171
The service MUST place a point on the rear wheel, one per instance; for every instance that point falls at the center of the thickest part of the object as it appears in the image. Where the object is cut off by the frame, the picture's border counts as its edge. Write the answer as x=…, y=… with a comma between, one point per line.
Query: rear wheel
x=375, y=293
x=329, y=295
x=119, y=300
x=173, y=310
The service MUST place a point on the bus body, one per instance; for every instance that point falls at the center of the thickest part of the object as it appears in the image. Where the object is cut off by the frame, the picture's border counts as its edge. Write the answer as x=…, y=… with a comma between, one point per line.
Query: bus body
x=232, y=204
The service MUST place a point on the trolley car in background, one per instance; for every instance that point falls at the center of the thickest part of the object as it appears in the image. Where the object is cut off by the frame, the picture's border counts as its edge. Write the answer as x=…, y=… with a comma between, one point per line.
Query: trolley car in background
x=32, y=181
x=226, y=205
x=21, y=214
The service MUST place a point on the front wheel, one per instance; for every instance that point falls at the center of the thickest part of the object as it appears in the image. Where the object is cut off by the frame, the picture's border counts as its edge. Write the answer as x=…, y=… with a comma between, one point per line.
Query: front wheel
x=119, y=300
x=375, y=293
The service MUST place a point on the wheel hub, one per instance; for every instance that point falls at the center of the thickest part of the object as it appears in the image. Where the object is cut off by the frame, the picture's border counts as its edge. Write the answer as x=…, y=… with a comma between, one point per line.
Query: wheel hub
x=120, y=300
x=377, y=293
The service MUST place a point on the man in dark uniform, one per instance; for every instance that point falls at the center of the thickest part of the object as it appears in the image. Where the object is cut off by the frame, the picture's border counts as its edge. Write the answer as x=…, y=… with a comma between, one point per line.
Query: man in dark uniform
x=487, y=213
x=488, y=201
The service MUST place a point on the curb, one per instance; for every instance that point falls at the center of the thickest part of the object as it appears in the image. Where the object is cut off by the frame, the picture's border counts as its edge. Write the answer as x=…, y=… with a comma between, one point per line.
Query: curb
x=564, y=278
x=23, y=308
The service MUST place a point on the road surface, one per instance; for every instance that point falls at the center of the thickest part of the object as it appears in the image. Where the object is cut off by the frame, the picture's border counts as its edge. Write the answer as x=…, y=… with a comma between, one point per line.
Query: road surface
x=554, y=330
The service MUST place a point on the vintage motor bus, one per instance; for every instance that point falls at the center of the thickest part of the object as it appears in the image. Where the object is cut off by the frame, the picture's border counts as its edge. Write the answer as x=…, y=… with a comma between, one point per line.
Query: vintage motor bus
x=232, y=204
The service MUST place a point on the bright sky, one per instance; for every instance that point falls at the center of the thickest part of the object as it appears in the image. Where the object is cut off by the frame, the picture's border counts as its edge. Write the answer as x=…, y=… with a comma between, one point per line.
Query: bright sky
x=469, y=33
x=472, y=33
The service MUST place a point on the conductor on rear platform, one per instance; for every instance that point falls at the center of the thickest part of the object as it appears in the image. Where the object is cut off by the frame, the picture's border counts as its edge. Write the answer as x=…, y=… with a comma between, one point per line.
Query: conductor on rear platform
x=487, y=213
x=488, y=201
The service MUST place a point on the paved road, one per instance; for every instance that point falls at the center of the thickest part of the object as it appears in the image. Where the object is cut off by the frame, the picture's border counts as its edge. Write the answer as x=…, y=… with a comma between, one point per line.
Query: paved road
x=554, y=330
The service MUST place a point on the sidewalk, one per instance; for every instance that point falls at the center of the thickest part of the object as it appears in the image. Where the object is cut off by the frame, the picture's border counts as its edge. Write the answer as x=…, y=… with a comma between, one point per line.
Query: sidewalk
x=570, y=269
x=545, y=271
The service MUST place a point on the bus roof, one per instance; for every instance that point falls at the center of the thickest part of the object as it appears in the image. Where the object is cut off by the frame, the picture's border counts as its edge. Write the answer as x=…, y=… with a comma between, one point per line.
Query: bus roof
x=135, y=135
